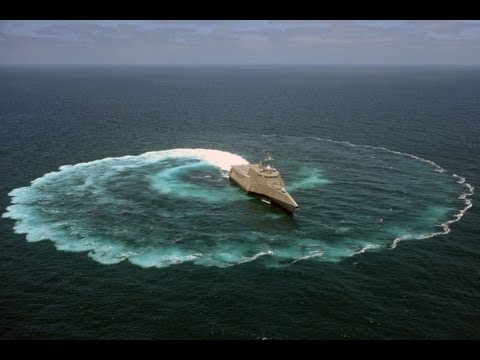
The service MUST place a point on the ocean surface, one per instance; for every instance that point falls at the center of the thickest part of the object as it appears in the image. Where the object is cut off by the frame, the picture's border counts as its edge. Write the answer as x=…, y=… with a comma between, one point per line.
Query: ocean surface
x=119, y=220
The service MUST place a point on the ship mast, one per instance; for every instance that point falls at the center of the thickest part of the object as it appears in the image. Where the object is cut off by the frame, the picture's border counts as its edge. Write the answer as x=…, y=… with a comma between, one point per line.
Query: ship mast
x=266, y=164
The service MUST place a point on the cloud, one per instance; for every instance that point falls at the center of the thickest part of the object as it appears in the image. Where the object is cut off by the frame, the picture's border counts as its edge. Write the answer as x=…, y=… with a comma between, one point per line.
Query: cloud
x=236, y=42
x=74, y=29
x=383, y=24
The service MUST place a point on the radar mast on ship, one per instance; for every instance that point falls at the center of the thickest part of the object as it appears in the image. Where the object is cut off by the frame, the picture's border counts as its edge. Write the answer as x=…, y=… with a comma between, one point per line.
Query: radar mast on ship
x=266, y=164
x=263, y=180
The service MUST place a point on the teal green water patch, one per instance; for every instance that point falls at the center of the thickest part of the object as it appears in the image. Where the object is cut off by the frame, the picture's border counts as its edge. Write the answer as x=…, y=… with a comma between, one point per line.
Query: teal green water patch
x=310, y=178
x=205, y=184
x=169, y=207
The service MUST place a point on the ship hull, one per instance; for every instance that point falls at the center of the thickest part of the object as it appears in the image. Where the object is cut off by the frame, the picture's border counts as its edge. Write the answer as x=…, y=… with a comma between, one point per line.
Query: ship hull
x=272, y=189
x=277, y=203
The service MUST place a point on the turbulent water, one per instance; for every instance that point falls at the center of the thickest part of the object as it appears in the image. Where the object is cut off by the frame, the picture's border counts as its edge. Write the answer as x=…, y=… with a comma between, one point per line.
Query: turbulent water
x=167, y=207
x=125, y=171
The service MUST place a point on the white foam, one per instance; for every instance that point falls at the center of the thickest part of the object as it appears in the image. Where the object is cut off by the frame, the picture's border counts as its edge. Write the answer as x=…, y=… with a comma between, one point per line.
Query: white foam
x=461, y=180
x=313, y=254
x=222, y=159
x=397, y=240
x=109, y=253
x=162, y=257
x=106, y=251
x=437, y=167
x=255, y=257
x=367, y=247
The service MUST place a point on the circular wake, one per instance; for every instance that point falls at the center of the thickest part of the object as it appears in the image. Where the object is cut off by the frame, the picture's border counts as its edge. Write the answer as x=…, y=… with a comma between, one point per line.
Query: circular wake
x=174, y=206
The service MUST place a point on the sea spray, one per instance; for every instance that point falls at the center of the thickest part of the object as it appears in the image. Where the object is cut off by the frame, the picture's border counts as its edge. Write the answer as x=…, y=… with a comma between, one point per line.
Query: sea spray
x=169, y=207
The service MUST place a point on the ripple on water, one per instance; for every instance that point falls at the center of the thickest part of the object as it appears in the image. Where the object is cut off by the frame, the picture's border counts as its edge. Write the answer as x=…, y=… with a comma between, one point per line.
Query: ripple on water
x=173, y=206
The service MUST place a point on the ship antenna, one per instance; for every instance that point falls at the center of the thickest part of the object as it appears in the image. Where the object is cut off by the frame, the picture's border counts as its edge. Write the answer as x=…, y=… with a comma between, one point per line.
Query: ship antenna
x=267, y=162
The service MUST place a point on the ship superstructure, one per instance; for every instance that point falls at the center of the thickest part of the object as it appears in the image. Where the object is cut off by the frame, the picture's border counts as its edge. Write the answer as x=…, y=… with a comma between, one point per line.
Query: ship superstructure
x=263, y=180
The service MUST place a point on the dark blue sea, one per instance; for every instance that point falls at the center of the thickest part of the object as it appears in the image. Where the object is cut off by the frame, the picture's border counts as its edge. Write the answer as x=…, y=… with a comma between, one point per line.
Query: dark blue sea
x=119, y=220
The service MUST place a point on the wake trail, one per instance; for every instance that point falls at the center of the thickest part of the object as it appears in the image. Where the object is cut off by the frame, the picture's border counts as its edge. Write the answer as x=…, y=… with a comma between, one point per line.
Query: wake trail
x=466, y=196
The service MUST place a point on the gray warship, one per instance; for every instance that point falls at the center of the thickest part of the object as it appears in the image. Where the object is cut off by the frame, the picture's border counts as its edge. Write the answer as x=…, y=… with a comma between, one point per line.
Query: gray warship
x=263, y=180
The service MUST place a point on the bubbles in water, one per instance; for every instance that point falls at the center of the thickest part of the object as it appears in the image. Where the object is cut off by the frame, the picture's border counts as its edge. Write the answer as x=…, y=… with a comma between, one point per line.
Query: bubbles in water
x=174, y=206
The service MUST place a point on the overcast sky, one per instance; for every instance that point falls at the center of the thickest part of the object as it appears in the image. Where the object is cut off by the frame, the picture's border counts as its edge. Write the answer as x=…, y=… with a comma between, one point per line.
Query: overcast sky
x=240, y=42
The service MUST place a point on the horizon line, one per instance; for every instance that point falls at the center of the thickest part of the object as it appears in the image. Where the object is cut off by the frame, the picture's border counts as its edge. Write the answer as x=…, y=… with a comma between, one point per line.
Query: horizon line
x=239, y=64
